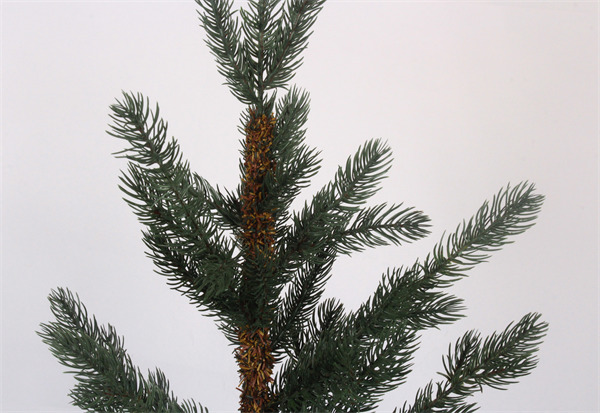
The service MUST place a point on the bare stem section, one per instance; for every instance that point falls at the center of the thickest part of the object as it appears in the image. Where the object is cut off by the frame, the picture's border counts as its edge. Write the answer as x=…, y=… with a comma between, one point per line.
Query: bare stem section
x=256, y=362
x=254, y=355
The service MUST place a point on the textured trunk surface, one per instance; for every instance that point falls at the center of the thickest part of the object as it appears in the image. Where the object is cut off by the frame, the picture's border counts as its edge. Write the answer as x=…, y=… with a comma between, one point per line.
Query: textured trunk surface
x=254, y=355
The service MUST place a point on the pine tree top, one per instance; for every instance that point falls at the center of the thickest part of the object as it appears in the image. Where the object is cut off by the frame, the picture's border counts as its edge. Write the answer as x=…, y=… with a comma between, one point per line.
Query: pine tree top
x=246, y=258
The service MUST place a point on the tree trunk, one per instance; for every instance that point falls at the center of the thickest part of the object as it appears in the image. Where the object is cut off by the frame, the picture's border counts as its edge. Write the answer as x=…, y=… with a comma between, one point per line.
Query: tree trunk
x=254, y=355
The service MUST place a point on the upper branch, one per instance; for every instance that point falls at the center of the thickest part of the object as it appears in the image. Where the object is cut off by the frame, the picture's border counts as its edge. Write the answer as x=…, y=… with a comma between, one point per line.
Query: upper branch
x=268, y=55
x=296, y=162
x=326, y=228
x=224, y=41
x=410, y=295
x=187, y=244
x=260, y=23
x=291, y=39
x=333, y=207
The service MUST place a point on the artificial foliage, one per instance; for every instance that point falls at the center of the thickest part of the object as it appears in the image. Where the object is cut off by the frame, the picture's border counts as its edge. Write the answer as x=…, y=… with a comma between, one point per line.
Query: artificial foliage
x=259, y=268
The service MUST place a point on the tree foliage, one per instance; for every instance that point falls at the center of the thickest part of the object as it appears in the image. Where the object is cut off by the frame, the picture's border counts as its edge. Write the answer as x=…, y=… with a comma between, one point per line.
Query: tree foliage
x=265, y=286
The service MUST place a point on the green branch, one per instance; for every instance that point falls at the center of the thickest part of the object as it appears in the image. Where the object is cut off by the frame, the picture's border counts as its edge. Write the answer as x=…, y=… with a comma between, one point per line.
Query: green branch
x=224, y=42
x=187, y=244
x=410, y=295
x=297, y=306
x=381, y=335
x=497, y=361
x=296, y=162
x=378, y=226
x=107, y=379
x=291, y=39
x=260, y=23
x=323, y=230
x=333, y=206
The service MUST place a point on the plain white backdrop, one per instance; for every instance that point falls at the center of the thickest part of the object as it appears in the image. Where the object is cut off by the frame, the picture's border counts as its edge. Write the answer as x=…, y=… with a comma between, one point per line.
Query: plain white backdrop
x=470, y=95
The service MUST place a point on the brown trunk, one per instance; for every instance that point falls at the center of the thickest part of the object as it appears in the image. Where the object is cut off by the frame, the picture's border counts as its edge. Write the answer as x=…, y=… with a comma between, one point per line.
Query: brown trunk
x=254, y=355
x=256, y=367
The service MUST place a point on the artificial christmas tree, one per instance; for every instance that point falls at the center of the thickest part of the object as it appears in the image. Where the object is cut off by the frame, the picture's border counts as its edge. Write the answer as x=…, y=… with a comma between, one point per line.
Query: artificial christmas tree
x=259, y=268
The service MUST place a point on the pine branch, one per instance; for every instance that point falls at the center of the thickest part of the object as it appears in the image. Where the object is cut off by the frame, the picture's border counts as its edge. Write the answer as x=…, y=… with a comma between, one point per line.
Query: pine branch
x=379, y=226
x=203, y=280
x=186, y=243
x=427, y=395
x=333, y=206
x=309, y=280
x=259, y=26
x=290, y=39
x=323, y=230
x=296, y=163
x=382, y=332
x=268, y=56
x=497, y=361
x=333, y=368
x=222, y=205
x=292, y=114
x=334, y=371
x=107, y=379
x=296, y=308
x=511, y=212
x=406, y=296
x=307, y=249
x=409, y=295
x=299, y=385
x=224, y=41
x=382, y=365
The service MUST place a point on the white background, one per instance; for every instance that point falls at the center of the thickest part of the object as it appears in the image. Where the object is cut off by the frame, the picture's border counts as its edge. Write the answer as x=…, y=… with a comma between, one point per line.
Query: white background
x=470, y=96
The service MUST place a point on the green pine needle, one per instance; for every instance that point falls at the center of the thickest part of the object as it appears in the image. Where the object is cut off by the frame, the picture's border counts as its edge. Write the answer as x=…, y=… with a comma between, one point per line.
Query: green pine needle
x=95, y=354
